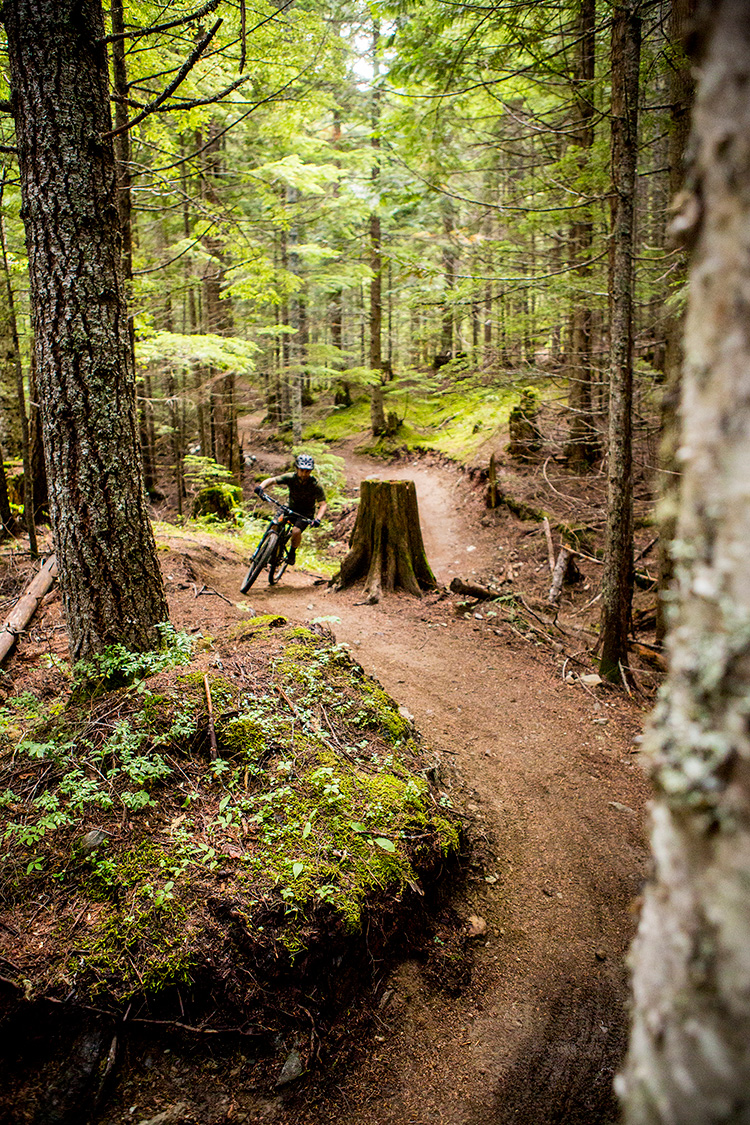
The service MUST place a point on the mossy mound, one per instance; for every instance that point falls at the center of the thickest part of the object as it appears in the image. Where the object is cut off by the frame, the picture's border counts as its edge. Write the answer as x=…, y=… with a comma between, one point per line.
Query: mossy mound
x=220, y=501
x=175, y=876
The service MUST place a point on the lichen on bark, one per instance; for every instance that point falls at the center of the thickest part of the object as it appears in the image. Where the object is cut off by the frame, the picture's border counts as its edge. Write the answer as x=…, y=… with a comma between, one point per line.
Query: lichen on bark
x=689, y=1060
x=111, y=584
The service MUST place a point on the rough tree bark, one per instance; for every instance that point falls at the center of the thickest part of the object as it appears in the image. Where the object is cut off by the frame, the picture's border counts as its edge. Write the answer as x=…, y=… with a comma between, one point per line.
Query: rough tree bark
x=111, y=585
x=386, y=546
x=689, y=1057
x=581, y=449
x=36, y=449
x=617, y=579
x=218, y=313
x=681, y=95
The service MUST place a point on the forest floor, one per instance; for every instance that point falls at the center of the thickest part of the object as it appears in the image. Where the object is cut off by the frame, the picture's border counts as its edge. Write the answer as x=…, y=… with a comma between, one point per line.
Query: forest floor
x=547, y=766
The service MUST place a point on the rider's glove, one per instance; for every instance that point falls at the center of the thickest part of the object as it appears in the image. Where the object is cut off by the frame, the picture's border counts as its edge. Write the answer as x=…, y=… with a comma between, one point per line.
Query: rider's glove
x=315, y=523
x=258, y=490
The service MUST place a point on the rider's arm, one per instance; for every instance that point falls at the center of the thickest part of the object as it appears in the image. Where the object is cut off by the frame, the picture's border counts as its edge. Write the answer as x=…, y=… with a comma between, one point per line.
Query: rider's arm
x=265, y=483
x=321, y=511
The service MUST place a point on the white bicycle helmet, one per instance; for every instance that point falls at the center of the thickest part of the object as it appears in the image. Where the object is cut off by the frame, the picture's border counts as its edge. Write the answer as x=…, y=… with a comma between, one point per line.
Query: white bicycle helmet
x=305, y=461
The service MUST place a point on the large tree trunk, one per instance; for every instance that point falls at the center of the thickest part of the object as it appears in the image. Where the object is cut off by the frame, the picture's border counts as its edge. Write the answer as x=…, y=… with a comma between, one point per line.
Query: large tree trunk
x=386, y=547
x=28, y=483
x=582, y=447
x=689, y=1058
x=111, y=584
x=377, y=411
x=36, y=449
x=617, y=579
x=682, y=92
x=218, y=315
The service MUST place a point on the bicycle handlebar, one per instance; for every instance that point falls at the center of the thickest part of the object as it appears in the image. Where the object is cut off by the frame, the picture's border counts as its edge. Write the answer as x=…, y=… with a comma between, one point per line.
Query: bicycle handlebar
x=283, y=507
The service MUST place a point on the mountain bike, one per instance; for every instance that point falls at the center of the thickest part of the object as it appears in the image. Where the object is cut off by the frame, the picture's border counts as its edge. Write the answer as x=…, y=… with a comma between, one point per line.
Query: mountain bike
x=274, y=548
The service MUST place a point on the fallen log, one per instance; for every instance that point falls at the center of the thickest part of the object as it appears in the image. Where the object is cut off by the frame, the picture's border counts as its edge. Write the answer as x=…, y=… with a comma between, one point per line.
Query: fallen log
x=550, y=547
x=564, y=560
x=650, y=654
x=472, y=589
x=27, y=605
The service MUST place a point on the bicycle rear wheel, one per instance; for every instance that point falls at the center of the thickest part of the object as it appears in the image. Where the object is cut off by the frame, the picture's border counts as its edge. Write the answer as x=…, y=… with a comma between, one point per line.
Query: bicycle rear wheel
x=278, y=563
x=264, y=552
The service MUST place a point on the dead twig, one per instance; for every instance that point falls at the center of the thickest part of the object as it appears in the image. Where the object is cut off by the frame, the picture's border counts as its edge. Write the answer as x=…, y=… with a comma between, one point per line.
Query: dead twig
x=647, y=548
x=211, y=727
x=550, y=545
x=624, y=678
x=210, y=591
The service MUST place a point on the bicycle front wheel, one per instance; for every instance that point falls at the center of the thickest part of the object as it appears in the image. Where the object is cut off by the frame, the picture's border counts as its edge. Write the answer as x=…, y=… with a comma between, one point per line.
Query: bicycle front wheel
x=265, y=550
x=278, y=563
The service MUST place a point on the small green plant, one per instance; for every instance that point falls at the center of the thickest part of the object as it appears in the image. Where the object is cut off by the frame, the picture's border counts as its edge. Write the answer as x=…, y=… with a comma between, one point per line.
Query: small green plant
x=117, y=666
x=215, y=494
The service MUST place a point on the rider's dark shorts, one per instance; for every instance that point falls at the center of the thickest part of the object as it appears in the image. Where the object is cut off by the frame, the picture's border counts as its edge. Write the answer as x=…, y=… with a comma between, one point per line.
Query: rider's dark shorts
x=300, y=523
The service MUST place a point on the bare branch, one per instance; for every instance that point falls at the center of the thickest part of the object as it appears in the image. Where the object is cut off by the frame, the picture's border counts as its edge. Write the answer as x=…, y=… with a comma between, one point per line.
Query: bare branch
x=204, y=101
x=243, y=35
x=185, y=69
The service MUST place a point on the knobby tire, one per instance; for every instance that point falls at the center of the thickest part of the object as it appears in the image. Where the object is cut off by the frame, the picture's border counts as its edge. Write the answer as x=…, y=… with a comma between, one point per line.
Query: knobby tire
x=278, y=564
x=264, y=554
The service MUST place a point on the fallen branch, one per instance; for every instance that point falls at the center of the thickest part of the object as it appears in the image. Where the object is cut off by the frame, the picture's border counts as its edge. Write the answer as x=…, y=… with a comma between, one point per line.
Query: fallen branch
x=472, y=590
x=550, y=545
x=650, y=654
x=210, y=590
x=211, y=726
x=27, y=605
x=558, y=574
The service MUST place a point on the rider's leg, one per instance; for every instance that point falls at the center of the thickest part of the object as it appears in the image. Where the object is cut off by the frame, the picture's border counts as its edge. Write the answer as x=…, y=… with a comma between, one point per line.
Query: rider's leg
x=295, y=542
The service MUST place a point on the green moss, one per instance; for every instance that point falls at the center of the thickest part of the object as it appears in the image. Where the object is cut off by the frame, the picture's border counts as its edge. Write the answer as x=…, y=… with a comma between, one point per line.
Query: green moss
x=312, y=804
x=454, y=420
x=141, y=943
x=248, y=630
x=381, y=711
x=218, y=501
x=144, y=949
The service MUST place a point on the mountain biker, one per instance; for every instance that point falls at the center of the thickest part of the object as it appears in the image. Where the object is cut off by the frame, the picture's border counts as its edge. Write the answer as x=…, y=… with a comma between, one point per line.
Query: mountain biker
x=305, y=494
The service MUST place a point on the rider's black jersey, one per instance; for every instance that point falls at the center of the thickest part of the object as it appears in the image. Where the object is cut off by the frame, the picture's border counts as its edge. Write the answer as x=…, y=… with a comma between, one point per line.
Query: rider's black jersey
x=303, y=494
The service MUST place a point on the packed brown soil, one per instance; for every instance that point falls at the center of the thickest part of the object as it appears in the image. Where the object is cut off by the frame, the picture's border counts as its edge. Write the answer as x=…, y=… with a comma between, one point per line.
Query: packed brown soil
x=517, y=1013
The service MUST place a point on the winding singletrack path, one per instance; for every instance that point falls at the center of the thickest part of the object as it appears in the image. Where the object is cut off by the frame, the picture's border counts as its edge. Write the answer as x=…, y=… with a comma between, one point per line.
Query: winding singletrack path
x=554, y=783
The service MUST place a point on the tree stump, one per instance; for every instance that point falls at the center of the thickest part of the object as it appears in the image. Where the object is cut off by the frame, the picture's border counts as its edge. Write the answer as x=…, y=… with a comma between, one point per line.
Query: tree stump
x=523, y=428
x=386, y=545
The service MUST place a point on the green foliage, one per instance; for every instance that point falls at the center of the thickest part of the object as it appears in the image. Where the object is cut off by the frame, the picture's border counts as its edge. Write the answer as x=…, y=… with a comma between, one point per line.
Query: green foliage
x=225, y=353
x=316, y=804
x=117, y=665
x=204, y=472
x=454, y=421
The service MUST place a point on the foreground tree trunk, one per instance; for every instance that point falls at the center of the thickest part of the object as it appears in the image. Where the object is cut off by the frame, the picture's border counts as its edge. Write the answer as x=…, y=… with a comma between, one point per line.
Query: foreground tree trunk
x=386, y=547
x=681, y=94
x=617, y=579
x=111, y=585
x=689, y=1058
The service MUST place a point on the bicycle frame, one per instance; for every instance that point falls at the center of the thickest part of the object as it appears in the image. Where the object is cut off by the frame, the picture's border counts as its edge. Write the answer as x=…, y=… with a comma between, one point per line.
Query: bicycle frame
x=273, y=556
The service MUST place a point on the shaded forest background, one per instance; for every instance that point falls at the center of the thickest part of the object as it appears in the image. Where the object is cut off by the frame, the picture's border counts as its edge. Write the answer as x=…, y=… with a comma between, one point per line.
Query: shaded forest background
x=379, y=202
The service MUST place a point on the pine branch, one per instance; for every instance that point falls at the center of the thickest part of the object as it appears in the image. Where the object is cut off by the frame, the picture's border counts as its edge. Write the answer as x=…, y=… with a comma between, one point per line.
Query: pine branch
x=182, y=74
x=139, y=32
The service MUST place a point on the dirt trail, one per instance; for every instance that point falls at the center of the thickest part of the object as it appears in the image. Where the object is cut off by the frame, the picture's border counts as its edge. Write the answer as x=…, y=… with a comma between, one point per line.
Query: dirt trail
x=537, y=1035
